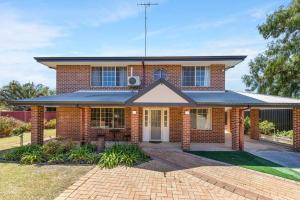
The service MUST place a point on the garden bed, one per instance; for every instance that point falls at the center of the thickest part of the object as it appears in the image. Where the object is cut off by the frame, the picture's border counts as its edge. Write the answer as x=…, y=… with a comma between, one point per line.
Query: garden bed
x=67, y=152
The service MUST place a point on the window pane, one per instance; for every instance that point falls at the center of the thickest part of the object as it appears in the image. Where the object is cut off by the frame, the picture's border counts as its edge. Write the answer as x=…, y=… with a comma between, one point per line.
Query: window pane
x=95, y=117
x=109, y=76
x=165, y=118
x=200, y=76
x=106, y=117
x=96, y=76
x=146, y=118
x=121, y=76
x=119, y=118
x=159, y=73
x=193, y=117
x=188, y=76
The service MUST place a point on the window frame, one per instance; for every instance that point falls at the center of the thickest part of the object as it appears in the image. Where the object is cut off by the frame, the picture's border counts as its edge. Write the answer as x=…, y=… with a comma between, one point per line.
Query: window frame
x=113, y=113
x=209, y=110
x=208, y=68
x=115, y=72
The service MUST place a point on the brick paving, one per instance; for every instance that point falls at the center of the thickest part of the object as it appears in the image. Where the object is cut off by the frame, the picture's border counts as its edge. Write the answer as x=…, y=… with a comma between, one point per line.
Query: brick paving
x=178, y=175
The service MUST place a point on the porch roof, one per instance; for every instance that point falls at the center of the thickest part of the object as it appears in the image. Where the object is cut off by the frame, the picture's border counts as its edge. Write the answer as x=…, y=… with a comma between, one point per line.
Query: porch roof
x=81, y=98
x=231, y=98
x=200, y=98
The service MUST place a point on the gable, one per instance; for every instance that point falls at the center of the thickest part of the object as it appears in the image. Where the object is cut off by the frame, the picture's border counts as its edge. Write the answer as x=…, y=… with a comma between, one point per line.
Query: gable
x=161, y=94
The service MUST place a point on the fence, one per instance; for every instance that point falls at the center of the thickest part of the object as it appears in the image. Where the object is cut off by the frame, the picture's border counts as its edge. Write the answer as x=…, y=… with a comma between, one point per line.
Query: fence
x=282, y=118
x=26, y=115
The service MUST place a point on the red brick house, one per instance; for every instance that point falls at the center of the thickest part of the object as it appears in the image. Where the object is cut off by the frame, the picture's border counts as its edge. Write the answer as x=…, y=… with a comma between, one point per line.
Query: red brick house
x=160, y=99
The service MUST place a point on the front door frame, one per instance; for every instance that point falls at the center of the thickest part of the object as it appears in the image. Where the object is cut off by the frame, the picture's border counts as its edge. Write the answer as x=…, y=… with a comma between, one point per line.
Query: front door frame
x=165, y=123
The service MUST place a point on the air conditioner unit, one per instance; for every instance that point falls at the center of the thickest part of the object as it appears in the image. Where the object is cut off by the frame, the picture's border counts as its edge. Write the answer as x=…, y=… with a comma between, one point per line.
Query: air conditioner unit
x=134, y=81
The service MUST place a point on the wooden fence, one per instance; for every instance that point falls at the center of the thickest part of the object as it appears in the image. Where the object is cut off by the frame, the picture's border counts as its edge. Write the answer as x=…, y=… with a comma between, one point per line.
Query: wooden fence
x=25, y=116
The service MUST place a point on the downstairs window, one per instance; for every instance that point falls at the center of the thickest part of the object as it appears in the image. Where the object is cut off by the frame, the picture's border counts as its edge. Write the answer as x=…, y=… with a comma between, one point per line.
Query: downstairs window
x=201, y=119
x=108, y=118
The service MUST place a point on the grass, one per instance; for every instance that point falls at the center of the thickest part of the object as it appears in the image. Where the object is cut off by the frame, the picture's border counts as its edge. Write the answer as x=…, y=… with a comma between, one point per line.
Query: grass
x=14, y=141
x=45, y=182
x=250, y=161
x=28, y=182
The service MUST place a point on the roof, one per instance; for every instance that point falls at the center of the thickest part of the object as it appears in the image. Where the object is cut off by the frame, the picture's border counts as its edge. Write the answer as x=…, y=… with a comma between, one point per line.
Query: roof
x=195, y=98
x=82, y=98
x=228, y=61
x=231, y=98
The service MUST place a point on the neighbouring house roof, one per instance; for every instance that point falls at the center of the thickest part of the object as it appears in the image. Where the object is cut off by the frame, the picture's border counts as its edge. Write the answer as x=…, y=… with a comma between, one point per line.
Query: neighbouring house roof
x=228, y=61
x=170, y=96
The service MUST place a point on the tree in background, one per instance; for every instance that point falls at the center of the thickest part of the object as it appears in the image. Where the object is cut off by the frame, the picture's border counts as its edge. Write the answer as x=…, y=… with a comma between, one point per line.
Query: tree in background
x=277, y=70
x=14, y=90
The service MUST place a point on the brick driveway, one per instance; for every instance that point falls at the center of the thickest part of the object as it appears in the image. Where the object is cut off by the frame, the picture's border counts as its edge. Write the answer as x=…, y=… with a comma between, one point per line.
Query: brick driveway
x=177, y=175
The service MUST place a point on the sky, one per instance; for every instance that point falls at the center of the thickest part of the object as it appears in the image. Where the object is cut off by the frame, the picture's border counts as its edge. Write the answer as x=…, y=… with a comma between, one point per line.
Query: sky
x=116, y=28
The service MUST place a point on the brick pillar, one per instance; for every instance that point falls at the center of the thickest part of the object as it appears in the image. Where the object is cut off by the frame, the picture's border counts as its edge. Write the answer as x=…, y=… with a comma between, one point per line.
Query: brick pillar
x=296, y=128
x=37, y=124
x=85, y=125
x=235, y=127
x=254, y=124
x=186, y=129
x=241, y=129
x=135, y=125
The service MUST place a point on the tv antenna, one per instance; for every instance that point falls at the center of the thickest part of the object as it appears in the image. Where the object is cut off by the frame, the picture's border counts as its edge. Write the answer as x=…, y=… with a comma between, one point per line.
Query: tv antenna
x=146, y=5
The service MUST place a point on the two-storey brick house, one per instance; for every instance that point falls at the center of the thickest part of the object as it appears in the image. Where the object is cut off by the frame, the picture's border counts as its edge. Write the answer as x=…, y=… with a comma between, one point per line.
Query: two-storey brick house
x=143, y=99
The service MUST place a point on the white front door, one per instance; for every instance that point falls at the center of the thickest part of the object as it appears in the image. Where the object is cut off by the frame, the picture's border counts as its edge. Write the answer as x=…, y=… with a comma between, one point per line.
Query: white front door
x=156, y=124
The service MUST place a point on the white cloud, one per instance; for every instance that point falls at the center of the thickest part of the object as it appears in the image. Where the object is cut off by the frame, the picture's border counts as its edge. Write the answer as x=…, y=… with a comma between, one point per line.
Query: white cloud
x=19, y=39
x=18, y=34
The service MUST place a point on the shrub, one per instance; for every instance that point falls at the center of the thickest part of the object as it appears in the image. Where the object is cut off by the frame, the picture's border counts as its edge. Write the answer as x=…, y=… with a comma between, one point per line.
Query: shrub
x=83, y=155
x=266, y=127
x=126, y=155
x=27, y=126
x=19, y=131
x=57, y=159
x=246, y=125
x=51, y=124
x=17, y=153
x=7, y=124
x=32, y=158
x=52, y=148
x=288, y=134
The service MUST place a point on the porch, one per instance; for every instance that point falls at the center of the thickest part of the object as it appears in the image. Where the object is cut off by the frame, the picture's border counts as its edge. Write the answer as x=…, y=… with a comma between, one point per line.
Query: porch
x=77, y=125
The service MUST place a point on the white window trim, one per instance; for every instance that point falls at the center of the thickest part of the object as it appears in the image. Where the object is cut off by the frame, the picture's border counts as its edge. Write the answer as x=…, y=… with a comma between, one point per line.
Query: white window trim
x=210, y=118
x=208, y=72
x=99, y=127
x=101, y=86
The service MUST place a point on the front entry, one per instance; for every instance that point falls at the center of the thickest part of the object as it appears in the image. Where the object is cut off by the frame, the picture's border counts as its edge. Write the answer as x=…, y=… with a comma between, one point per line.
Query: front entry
x=156, y=124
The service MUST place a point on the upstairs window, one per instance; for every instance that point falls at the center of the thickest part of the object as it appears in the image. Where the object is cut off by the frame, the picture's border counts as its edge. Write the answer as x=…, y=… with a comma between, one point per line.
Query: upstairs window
x=159, y=73
x=109, y=76
x=196, y=76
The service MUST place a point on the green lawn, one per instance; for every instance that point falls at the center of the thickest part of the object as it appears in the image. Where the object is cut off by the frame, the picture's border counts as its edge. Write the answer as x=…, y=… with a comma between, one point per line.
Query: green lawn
x=250, y=161
x=28, y=182
x=14, y=141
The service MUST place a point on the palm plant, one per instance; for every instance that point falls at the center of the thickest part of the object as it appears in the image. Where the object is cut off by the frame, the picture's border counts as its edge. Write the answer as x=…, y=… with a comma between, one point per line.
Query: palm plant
x=15, y=90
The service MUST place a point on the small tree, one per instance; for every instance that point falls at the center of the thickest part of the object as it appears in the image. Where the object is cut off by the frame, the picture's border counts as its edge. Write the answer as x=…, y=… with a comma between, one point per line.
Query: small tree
x=20, y=132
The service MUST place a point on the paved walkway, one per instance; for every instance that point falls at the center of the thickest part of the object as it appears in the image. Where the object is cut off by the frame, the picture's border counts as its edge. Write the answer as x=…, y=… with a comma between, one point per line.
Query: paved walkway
x=173, y=174
x=277, y=153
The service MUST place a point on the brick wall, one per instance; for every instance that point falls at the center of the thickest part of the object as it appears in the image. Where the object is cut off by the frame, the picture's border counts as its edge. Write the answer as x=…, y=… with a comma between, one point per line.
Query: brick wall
x=254, y=124
x=68, y=122
x=296, y=128
x=74, y=78
x=37, y=122
x=216, y=135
